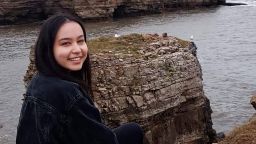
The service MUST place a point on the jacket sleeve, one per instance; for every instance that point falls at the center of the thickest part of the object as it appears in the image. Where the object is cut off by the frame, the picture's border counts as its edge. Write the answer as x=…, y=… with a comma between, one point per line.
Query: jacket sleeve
x=86, y=122
x=36, y=124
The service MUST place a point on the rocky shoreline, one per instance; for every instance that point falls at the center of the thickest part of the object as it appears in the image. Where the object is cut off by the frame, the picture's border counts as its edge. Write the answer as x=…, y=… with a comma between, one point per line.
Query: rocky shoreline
x=242, y=134
x=25, y=11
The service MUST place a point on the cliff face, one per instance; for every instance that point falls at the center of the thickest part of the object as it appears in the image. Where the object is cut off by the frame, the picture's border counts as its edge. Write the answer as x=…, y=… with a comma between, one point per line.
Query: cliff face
x=154, y=81
x=12, y=11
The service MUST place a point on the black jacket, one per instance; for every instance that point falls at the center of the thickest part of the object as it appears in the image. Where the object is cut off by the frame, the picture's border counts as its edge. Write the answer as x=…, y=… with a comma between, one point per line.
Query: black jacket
x=56, y=111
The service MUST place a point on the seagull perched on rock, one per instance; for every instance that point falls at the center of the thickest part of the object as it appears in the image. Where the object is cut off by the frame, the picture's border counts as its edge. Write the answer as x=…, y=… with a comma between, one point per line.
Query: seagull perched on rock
x=191, y=38
x=116, y=35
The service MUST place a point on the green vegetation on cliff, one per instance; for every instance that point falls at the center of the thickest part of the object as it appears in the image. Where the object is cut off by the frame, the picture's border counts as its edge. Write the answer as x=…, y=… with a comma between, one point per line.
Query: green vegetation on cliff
x=123, y=44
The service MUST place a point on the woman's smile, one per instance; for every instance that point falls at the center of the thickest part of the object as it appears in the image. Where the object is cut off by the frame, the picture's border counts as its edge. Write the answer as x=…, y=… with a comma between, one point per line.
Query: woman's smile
x=75, y=59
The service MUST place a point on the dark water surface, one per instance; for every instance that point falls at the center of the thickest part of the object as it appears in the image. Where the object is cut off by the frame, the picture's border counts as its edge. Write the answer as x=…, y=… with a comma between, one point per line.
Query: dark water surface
x=226, y=42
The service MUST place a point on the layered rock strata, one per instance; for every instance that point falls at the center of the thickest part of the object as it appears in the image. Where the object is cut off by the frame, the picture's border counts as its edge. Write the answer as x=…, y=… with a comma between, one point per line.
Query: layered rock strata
x=152, y=80
x=13, y=11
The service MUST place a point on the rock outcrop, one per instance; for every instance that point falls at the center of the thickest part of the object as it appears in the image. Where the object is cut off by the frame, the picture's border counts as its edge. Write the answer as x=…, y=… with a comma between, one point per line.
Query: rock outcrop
x=152, y=80
x=13, y=11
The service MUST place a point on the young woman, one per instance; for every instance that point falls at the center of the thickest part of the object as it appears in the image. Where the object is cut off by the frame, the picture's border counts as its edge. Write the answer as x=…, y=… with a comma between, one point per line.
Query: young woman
x=58, y=108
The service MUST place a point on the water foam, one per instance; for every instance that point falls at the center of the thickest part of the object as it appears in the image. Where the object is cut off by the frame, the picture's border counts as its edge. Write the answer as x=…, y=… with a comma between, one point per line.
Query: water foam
x=248, y=2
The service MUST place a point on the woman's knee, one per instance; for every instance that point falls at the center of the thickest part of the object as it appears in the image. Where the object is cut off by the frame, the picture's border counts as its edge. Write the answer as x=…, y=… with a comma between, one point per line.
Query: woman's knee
x=129, y=133
x=137, y=128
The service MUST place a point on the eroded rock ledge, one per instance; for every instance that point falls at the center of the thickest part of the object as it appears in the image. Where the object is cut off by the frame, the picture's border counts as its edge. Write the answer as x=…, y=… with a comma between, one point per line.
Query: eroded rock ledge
x=13, y=11
x=152, y=80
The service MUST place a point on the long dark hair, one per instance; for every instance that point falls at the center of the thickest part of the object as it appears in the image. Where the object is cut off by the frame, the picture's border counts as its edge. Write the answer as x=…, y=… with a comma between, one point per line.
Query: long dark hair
x=44, y=57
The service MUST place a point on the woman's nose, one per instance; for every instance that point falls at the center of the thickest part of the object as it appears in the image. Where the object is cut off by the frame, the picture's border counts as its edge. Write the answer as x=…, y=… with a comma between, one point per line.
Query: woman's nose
x=76, y=48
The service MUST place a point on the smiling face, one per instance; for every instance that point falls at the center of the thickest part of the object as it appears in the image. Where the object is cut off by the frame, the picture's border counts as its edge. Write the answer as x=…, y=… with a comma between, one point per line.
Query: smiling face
x=70, y=49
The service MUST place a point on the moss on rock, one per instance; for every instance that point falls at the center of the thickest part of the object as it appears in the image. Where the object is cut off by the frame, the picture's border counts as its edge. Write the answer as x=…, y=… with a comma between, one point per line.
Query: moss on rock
x=123, y=44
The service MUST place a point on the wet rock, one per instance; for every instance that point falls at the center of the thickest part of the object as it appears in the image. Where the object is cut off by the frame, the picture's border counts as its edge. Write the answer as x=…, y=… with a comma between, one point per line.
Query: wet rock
x=233, y=4
x=220, y=136
x=164, y=35
x=253, y=101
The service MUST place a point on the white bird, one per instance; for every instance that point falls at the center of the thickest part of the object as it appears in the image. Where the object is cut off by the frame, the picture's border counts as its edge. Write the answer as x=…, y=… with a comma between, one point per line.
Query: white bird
x=191, y=37
x=116, y=35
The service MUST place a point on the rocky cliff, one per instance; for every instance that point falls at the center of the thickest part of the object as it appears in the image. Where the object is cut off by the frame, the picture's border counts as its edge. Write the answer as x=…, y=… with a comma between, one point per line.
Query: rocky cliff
x=13, y=11
x=152, y=80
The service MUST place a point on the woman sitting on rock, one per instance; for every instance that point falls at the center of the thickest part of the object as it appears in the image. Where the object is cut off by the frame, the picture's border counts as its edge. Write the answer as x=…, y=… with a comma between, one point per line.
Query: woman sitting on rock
x=58, y=108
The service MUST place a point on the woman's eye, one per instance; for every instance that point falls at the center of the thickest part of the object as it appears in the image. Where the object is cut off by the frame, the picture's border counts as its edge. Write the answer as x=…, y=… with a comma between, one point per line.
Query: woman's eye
x=65, y=43
x=81, y=41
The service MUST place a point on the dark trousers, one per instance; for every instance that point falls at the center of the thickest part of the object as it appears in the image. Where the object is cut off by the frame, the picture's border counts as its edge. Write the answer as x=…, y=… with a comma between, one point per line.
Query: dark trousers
x=130, y=133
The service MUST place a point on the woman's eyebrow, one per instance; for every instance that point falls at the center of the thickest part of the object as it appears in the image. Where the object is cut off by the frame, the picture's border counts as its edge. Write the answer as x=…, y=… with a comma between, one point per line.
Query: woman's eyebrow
x=64, y=39
x=81, y=36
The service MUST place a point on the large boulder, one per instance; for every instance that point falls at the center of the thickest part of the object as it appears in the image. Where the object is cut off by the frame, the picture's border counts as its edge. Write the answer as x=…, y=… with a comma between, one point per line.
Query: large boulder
x=152, y=80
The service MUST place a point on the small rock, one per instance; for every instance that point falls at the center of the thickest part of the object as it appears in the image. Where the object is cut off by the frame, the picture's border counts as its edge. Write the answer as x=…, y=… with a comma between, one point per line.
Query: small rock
x=141, y=52
x=138, y=100
x=253, y=118
x=253, y=101
x=100, y=54
x=165, y=43
x=161, y=52
x=148, y=54
x=1, y=126
x=220, y=135
x=164, y=35
x=129, y=100
x=156, y=44
x=156, y=35
x=101, y=72
x=102, y=89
